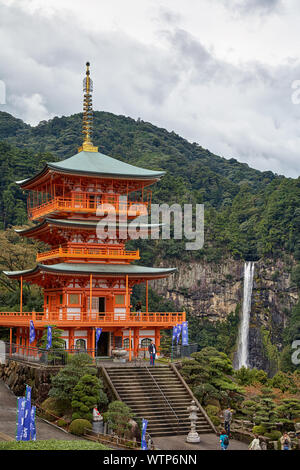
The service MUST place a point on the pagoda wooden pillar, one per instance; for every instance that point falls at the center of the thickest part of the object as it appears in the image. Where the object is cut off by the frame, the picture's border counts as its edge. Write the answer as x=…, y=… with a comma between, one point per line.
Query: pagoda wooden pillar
x=136, y=336
x=71, y=338
x=146, y=296
x=130, y=345
x=10, y=341
x=157, y=340
x=93, y=342
x=126, y=296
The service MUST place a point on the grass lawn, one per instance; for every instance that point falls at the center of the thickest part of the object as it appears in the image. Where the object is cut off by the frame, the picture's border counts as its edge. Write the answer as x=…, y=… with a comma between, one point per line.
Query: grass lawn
x=52, y=445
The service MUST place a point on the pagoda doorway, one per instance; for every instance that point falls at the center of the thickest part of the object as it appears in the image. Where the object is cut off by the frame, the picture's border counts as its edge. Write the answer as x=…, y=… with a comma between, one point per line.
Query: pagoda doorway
x=103, y=345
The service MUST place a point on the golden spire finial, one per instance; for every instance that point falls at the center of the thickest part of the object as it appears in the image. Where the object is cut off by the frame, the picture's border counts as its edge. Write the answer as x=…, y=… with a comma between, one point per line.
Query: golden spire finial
x=87, y=123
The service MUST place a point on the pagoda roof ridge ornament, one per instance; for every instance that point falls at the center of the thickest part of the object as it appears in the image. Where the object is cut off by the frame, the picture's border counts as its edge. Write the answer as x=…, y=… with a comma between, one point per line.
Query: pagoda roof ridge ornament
x=87, y=121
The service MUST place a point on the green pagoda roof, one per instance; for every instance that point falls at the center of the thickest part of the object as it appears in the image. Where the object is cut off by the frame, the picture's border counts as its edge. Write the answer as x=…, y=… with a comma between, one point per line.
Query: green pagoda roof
x=92, y=224
x=104, y=269
x=98, y=164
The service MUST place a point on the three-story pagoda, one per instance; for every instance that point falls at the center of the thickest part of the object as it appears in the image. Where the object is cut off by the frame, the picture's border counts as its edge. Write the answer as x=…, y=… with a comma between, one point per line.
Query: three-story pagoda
x=87, y=279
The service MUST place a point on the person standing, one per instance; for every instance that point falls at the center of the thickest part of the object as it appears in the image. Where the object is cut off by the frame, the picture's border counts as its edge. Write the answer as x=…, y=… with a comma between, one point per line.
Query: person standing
x=255, y=444
x=152, y=352
x=224, y=440
x=285, y=441
x=227, y=420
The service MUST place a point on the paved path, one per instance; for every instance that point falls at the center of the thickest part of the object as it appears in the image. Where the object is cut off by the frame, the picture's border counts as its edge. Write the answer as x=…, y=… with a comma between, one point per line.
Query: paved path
x=208, y=442
x=8, y=405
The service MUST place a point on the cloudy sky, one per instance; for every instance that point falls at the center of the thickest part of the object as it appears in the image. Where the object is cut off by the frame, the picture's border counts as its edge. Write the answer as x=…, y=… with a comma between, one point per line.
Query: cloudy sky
x=223, y=73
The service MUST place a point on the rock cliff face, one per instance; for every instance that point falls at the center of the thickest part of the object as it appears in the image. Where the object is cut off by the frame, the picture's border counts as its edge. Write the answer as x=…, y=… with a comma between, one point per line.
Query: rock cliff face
x=212, y=292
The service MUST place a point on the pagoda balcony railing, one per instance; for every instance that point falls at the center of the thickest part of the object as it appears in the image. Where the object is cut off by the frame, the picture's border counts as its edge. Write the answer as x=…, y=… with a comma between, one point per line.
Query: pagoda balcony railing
x=90, y=253
x=108, y=319
x=90, y=206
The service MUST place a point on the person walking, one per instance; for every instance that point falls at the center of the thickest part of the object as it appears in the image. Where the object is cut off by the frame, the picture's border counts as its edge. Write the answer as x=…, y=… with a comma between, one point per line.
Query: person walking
x=227, y=420
x=255, y=444
x=285, y=441
x=224, y=440
x=152, y=352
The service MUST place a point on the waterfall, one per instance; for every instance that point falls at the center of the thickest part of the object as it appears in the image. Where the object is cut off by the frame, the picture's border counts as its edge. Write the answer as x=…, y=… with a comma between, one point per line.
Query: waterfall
x=243, y=346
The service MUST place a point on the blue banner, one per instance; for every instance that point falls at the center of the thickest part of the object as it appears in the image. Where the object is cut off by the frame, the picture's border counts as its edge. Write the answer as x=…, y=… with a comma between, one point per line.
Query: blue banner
x=49, y=337
x=32, y=424
x=31, y=332
x=144, y=429
x=26, y=426
x=174, y=333
x=185, y=336
x=98, y=333
x=20, y=418
x=179, y=328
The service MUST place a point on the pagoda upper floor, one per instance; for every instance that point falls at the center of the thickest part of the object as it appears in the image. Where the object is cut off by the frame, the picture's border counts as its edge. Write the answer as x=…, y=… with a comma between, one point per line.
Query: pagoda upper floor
x=77, y=186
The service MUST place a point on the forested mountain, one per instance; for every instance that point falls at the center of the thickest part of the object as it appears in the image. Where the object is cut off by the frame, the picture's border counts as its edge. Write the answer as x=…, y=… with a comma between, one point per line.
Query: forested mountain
x=249, y=214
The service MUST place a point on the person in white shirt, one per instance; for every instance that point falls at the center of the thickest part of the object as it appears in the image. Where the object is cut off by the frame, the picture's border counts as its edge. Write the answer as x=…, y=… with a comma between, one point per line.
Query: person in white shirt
x=255, y=444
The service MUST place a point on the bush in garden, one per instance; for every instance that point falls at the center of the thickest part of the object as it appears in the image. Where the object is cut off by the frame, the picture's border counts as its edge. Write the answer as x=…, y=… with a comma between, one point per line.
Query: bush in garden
x=260, y=430
x=56, y=406
x=212, y=410
x=288, y=410
x=215, y=420
x=209, y=373
x=63, y=383
x=273, y=435
x=283, y=381
x=78, y=425
x=118, y=416
x=86, y=394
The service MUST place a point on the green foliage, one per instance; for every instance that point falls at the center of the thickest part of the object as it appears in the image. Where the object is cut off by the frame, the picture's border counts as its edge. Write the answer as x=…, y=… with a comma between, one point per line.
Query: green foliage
x=209, y=373
x=52, y=444
x=273, y=435
x=57, y=341
x=288, y=410
x=291, y=333
x=86, y=394
x=212, y=410
x=221, y=334
x=56, y=406
x=260, y=430
x=118, y=417
x=247, y=376
x=215, y=420
x=63, y=383
x=283, y=381
x=78, y=426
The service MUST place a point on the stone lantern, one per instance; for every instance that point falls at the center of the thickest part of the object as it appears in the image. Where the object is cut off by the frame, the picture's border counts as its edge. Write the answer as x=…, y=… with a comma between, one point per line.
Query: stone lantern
x=193, y=437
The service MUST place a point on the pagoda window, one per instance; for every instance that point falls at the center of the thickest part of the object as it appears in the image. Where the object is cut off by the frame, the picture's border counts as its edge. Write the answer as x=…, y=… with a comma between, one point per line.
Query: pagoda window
x=120, y=299
x=80, y=344
x=126, y=343
x=145, y=343
x=74, y=299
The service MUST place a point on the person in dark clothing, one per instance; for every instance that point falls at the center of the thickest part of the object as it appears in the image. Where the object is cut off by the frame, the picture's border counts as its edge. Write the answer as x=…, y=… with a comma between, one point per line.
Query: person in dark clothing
x=227, y=420
x=152, y=352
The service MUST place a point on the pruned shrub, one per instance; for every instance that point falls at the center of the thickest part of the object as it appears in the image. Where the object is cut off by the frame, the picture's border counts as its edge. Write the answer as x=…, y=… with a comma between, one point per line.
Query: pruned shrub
x=260, y=430
x=273, y=435
x=78, y=426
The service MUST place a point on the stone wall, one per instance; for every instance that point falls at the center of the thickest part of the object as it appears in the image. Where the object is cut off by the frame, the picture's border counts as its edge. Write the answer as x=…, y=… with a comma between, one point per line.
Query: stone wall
x=16, y=375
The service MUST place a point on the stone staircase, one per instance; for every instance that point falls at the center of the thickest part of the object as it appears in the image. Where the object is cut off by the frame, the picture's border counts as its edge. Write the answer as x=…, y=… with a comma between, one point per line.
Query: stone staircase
x=160, y=395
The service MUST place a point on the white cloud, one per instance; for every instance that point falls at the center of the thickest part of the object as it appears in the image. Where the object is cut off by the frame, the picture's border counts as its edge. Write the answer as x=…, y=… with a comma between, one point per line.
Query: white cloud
x=215, y=77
